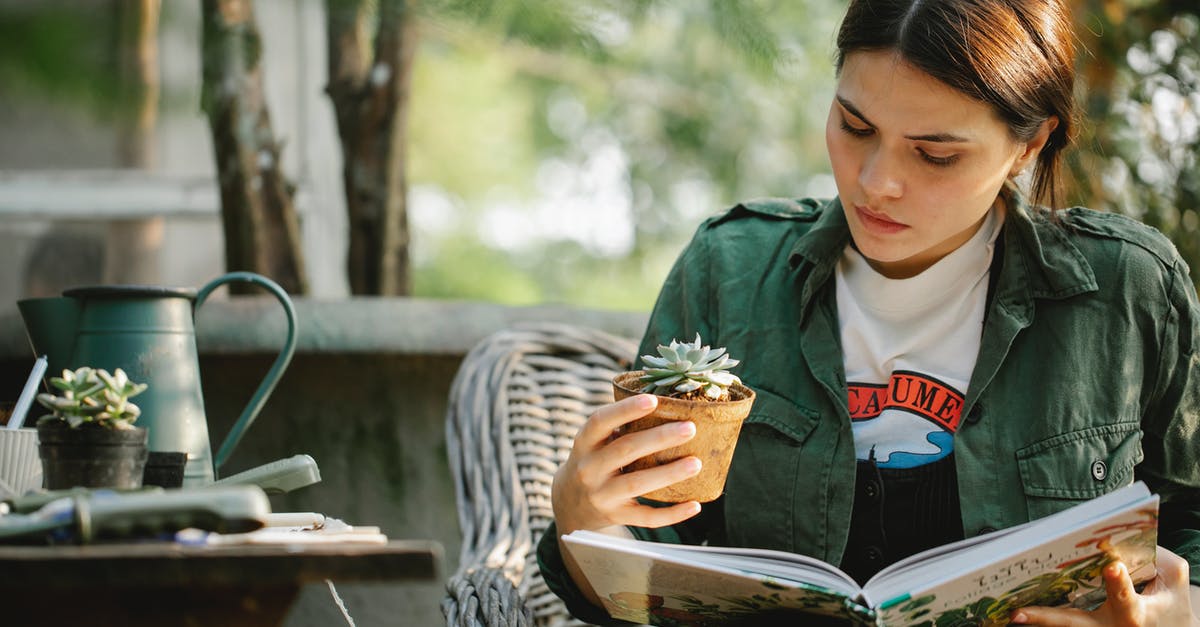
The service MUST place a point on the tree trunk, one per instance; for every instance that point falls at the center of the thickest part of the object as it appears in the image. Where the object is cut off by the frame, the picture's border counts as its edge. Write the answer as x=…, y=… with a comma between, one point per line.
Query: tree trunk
x=133, y=246
x=262, y=231
x=370, y=98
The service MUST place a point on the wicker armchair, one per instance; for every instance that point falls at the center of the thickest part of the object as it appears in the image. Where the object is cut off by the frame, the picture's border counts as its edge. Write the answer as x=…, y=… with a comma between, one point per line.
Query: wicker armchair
x=515, y=406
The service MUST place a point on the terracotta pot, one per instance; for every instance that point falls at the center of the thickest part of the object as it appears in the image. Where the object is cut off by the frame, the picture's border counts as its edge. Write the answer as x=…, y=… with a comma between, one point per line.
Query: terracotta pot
x=717, y=428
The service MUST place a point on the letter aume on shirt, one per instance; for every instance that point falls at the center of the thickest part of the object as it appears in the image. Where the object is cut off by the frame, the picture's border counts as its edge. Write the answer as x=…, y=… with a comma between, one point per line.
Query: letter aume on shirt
x=913, y=392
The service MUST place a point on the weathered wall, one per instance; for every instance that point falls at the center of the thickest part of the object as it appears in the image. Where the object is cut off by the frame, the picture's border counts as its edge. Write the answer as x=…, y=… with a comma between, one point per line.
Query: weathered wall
x=366, y=397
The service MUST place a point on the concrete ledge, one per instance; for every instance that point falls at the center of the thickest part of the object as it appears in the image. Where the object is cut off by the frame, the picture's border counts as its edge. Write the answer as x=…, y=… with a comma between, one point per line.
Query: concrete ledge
x=106, y=195
x=254, y=324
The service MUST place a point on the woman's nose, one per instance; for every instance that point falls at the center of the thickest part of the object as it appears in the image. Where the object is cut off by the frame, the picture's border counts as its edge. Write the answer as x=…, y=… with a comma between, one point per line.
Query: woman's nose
x=880, y=176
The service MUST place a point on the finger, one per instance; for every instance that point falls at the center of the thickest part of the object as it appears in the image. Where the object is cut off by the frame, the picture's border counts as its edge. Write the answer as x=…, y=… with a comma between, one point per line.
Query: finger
x=605, y=420
x=1052, y=617
x=654, y=517
x=599, y=468
x=633, y=446
x=637, y=483
x=1119, y=588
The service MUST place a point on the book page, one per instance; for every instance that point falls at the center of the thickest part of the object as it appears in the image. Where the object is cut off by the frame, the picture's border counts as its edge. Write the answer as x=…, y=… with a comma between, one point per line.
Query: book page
x=783, y=571
x=777, y=563
x=660, y=584
x=1056, y=561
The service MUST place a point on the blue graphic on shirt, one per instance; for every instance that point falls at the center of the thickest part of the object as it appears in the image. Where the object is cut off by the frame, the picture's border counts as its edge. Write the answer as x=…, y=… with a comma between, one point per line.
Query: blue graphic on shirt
x=944, y=441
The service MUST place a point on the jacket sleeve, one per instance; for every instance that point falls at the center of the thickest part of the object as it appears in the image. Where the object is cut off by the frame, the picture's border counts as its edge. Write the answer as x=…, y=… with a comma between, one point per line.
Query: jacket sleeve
x=679, y=313
x=1171, y=445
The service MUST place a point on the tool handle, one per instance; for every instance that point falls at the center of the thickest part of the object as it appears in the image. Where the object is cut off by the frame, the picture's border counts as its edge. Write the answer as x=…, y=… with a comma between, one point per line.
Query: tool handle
x=17, y=419
x=278, y=477
x=85, y=515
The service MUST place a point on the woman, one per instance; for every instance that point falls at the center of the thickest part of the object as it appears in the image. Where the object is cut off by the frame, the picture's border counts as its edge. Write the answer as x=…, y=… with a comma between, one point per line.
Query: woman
x=1064, y=344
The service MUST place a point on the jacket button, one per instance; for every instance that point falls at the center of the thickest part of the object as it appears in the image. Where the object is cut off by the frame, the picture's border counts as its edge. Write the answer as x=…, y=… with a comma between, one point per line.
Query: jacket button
x=871, y=490
x=872, y=554
x=985, y=530
x=975, y=414
x=1099, y=470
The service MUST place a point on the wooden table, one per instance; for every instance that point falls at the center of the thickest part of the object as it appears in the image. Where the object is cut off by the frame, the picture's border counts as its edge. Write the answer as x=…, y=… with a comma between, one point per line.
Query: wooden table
x=170, y=584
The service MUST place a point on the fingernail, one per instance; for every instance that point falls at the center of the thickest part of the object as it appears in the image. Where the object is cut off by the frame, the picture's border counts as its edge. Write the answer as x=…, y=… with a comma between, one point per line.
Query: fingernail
x=695, y=508
x=647, y=401
x=692, y=465
x=685, y=428
x=1019, y=617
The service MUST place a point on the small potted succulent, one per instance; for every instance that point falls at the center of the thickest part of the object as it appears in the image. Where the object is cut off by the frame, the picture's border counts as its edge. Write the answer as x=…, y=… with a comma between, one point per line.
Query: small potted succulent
x=89, y=439
x=694, y=383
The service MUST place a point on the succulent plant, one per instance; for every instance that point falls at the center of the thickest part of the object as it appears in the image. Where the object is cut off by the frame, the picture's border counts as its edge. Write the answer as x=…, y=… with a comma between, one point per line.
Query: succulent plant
x=689, y=369
x=93, y=395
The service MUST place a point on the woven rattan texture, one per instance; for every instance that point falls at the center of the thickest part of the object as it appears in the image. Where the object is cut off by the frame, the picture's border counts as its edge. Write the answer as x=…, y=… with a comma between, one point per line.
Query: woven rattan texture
x=515, y=406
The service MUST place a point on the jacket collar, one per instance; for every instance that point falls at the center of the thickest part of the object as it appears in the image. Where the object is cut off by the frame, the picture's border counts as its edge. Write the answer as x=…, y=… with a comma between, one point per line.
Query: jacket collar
x=1041, y=262
x=1054, y=268
x=816, y=253
x=824, y=242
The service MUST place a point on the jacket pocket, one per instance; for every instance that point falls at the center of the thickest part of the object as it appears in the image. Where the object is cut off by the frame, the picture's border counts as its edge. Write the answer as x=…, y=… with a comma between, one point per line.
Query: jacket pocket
x=760, y=489
x=1069, y=468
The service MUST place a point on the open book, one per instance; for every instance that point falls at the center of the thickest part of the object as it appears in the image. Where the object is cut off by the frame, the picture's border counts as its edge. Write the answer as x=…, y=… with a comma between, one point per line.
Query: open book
x=1054, y=561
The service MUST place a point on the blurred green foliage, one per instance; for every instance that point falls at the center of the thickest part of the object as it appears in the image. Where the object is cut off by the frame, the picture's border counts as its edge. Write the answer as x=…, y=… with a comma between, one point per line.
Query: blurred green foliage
x=1140, y=147
x=702, y=104
x=64, y=51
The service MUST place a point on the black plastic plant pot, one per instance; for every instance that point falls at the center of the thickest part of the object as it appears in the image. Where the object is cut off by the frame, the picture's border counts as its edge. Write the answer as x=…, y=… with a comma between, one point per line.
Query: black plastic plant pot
x=91, y=456
x=165, y=469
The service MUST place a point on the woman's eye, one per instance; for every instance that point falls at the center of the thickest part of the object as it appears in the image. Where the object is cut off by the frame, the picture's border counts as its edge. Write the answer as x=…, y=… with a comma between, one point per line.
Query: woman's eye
x=855, y=131
x=941, y=161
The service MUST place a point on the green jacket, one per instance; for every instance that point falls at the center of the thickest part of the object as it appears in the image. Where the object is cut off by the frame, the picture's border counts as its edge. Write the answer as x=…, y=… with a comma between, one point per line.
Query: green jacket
x=1088, y=376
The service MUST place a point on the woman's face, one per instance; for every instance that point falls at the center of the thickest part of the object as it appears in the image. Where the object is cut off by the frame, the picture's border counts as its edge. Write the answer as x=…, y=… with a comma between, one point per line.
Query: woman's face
x=917, y=163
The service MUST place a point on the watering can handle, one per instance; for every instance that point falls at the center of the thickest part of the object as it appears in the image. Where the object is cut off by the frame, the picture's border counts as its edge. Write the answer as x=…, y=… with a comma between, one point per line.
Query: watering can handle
x=281, y=362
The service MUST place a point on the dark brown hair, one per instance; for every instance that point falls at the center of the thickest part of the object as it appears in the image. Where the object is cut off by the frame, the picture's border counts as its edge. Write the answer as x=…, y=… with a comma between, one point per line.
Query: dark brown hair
x=1015, y=55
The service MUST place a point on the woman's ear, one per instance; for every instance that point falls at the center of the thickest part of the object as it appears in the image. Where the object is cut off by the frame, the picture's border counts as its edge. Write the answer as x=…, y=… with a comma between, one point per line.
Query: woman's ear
x=1032, y=148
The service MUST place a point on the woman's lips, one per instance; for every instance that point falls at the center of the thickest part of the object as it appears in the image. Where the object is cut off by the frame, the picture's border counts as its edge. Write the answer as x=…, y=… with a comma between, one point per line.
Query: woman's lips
x=878, y=223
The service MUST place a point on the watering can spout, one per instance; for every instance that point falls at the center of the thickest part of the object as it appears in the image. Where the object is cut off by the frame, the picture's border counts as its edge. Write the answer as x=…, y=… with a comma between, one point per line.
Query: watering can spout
x=51, y=324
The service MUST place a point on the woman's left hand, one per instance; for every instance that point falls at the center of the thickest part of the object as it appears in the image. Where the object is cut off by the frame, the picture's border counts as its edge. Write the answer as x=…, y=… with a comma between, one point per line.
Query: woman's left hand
x=1164, y=602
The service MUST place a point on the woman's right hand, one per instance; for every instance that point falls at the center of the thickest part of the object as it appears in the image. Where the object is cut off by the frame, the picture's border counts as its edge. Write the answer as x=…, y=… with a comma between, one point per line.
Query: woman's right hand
x=591, y=492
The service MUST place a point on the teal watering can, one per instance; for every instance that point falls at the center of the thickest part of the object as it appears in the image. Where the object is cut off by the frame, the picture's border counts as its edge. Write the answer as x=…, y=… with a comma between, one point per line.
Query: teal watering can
x=149, y=333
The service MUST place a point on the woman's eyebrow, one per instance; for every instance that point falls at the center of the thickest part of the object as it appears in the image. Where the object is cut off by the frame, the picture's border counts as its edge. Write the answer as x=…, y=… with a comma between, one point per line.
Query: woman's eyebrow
x=945, y=138
x=854, y=110
x=938, y=137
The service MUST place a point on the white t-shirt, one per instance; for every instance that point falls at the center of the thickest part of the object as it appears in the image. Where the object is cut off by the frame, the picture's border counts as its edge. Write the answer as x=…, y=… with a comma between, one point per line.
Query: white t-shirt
x=910, y=346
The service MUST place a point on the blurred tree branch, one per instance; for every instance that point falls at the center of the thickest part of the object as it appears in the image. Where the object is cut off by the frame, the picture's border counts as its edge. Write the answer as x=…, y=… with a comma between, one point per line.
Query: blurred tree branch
x=369, y=86
x=262, y=231
x=133, y=246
